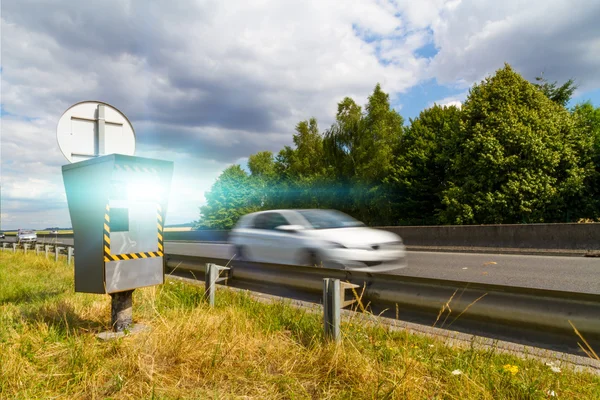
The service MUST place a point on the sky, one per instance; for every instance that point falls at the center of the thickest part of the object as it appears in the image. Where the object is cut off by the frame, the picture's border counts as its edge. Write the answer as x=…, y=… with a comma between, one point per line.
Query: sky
x=207, y=83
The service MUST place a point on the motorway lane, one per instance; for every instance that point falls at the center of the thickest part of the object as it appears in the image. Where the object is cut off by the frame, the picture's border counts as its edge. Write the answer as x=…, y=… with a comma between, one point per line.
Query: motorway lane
x=571, y=274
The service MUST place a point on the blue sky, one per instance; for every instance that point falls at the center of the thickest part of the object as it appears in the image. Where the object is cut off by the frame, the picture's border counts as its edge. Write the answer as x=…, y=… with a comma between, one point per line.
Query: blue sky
x=423, y=95
x=206, y=84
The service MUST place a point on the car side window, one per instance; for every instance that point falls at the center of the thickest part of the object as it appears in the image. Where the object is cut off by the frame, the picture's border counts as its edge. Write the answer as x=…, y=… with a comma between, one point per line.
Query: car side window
x=260, y=221
x=274, y=220
x=269, y=221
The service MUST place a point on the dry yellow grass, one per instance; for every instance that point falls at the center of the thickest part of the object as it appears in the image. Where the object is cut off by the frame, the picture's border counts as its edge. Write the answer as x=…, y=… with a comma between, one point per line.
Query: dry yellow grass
x=239, y=349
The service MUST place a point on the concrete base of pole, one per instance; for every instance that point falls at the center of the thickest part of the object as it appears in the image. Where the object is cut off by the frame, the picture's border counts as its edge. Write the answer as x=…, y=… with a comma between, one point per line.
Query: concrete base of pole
x=133, y=329
x=121, y=317
x=121, y=310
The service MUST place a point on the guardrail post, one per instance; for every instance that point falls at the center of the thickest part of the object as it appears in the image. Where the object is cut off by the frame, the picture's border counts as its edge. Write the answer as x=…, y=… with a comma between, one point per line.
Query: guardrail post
x=25, y=247
x=47, y=250
x=121, y=313
x=211, y=278
x=4, y=246
x=56, y=252
x=69, y=255
x=331, y=308
x=333, y=302
x=37, y=249
x=14, y=247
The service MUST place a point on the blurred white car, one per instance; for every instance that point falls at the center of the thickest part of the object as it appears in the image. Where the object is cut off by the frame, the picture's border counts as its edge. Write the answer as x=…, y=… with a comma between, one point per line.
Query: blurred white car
x=325, y=238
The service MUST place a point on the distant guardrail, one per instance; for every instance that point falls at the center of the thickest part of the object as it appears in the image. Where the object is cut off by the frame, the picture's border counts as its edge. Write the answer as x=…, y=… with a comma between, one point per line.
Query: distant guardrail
x=50, y=250
x=565, y=236
x=526, y=236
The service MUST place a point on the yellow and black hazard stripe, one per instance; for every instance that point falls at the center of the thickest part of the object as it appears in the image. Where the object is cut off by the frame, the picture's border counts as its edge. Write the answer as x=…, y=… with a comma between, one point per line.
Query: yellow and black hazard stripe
x=135, y=168
x=133, y=256
x=107, y=232
x=159, y=224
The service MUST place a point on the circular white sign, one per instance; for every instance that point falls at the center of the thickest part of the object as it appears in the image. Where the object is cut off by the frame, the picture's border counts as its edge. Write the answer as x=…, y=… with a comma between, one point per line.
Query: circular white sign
x=91, y=129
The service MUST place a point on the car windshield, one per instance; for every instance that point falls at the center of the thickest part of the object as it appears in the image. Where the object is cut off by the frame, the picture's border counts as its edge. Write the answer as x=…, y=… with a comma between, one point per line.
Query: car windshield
x=329, y=219
x=26, y=232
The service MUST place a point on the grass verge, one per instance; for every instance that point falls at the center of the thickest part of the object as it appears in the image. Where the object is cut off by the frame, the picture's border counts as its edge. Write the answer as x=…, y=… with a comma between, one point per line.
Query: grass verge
x=240, y=349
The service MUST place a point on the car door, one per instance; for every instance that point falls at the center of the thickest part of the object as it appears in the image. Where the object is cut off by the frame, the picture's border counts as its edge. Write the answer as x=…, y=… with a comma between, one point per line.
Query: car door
x=276, y=247
x=252, y=239
x=270, y=245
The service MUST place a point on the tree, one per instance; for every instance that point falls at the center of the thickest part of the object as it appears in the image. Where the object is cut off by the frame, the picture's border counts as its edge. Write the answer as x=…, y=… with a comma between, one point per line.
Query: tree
x=518, y=156
x=262, y=178
x=423, y=164
x=262, y=165
x=362, y=145
x=587, y=121
x=301, y=169
x=559, y=94
x=229, y=198
x=307, y=158
x=360, y=148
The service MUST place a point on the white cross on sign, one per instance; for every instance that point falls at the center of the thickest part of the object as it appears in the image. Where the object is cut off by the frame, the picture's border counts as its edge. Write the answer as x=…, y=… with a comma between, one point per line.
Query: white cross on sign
x=99, y=142
x=92, y=129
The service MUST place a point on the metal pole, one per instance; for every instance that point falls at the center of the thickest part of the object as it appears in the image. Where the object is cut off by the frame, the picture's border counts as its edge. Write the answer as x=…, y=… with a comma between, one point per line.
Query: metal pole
x=14, y=247
x=210, y=279
x=25, y=247
x=326, y=308
x=47, y=249
x=101, y=134
x=69, y=255
x=37, y=249
x=121, y=314
x=56, y=252
x=331, y=308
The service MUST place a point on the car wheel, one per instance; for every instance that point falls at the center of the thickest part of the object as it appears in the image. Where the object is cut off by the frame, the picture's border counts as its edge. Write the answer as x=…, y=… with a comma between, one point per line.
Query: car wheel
x=311, y=258
x=240, y=254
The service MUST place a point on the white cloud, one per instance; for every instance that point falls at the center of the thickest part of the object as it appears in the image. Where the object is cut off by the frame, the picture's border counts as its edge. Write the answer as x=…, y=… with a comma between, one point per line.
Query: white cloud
x=209, y=83
x=475, y=38
x=213, y=80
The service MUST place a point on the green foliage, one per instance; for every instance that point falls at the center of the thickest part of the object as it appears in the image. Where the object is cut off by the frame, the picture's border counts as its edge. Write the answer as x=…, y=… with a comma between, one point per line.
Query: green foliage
x=512, y=154
x=559, y=94
x=587, y=121
x=423, y=165
x=362, y=146
x=517, y=158
x=360, y=150
x=262, y=165
x=231, y=196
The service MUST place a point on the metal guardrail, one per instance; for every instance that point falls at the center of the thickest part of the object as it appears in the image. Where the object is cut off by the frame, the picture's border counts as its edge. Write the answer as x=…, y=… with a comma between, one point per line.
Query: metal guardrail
x=542, y=310
x=66, y=250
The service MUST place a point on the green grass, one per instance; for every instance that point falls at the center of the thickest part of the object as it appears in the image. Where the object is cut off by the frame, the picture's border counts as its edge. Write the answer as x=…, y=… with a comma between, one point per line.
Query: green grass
x=242, y=348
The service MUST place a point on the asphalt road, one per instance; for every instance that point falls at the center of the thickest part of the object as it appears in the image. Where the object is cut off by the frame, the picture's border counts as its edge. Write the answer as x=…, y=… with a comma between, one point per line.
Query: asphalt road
x=571, y=274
